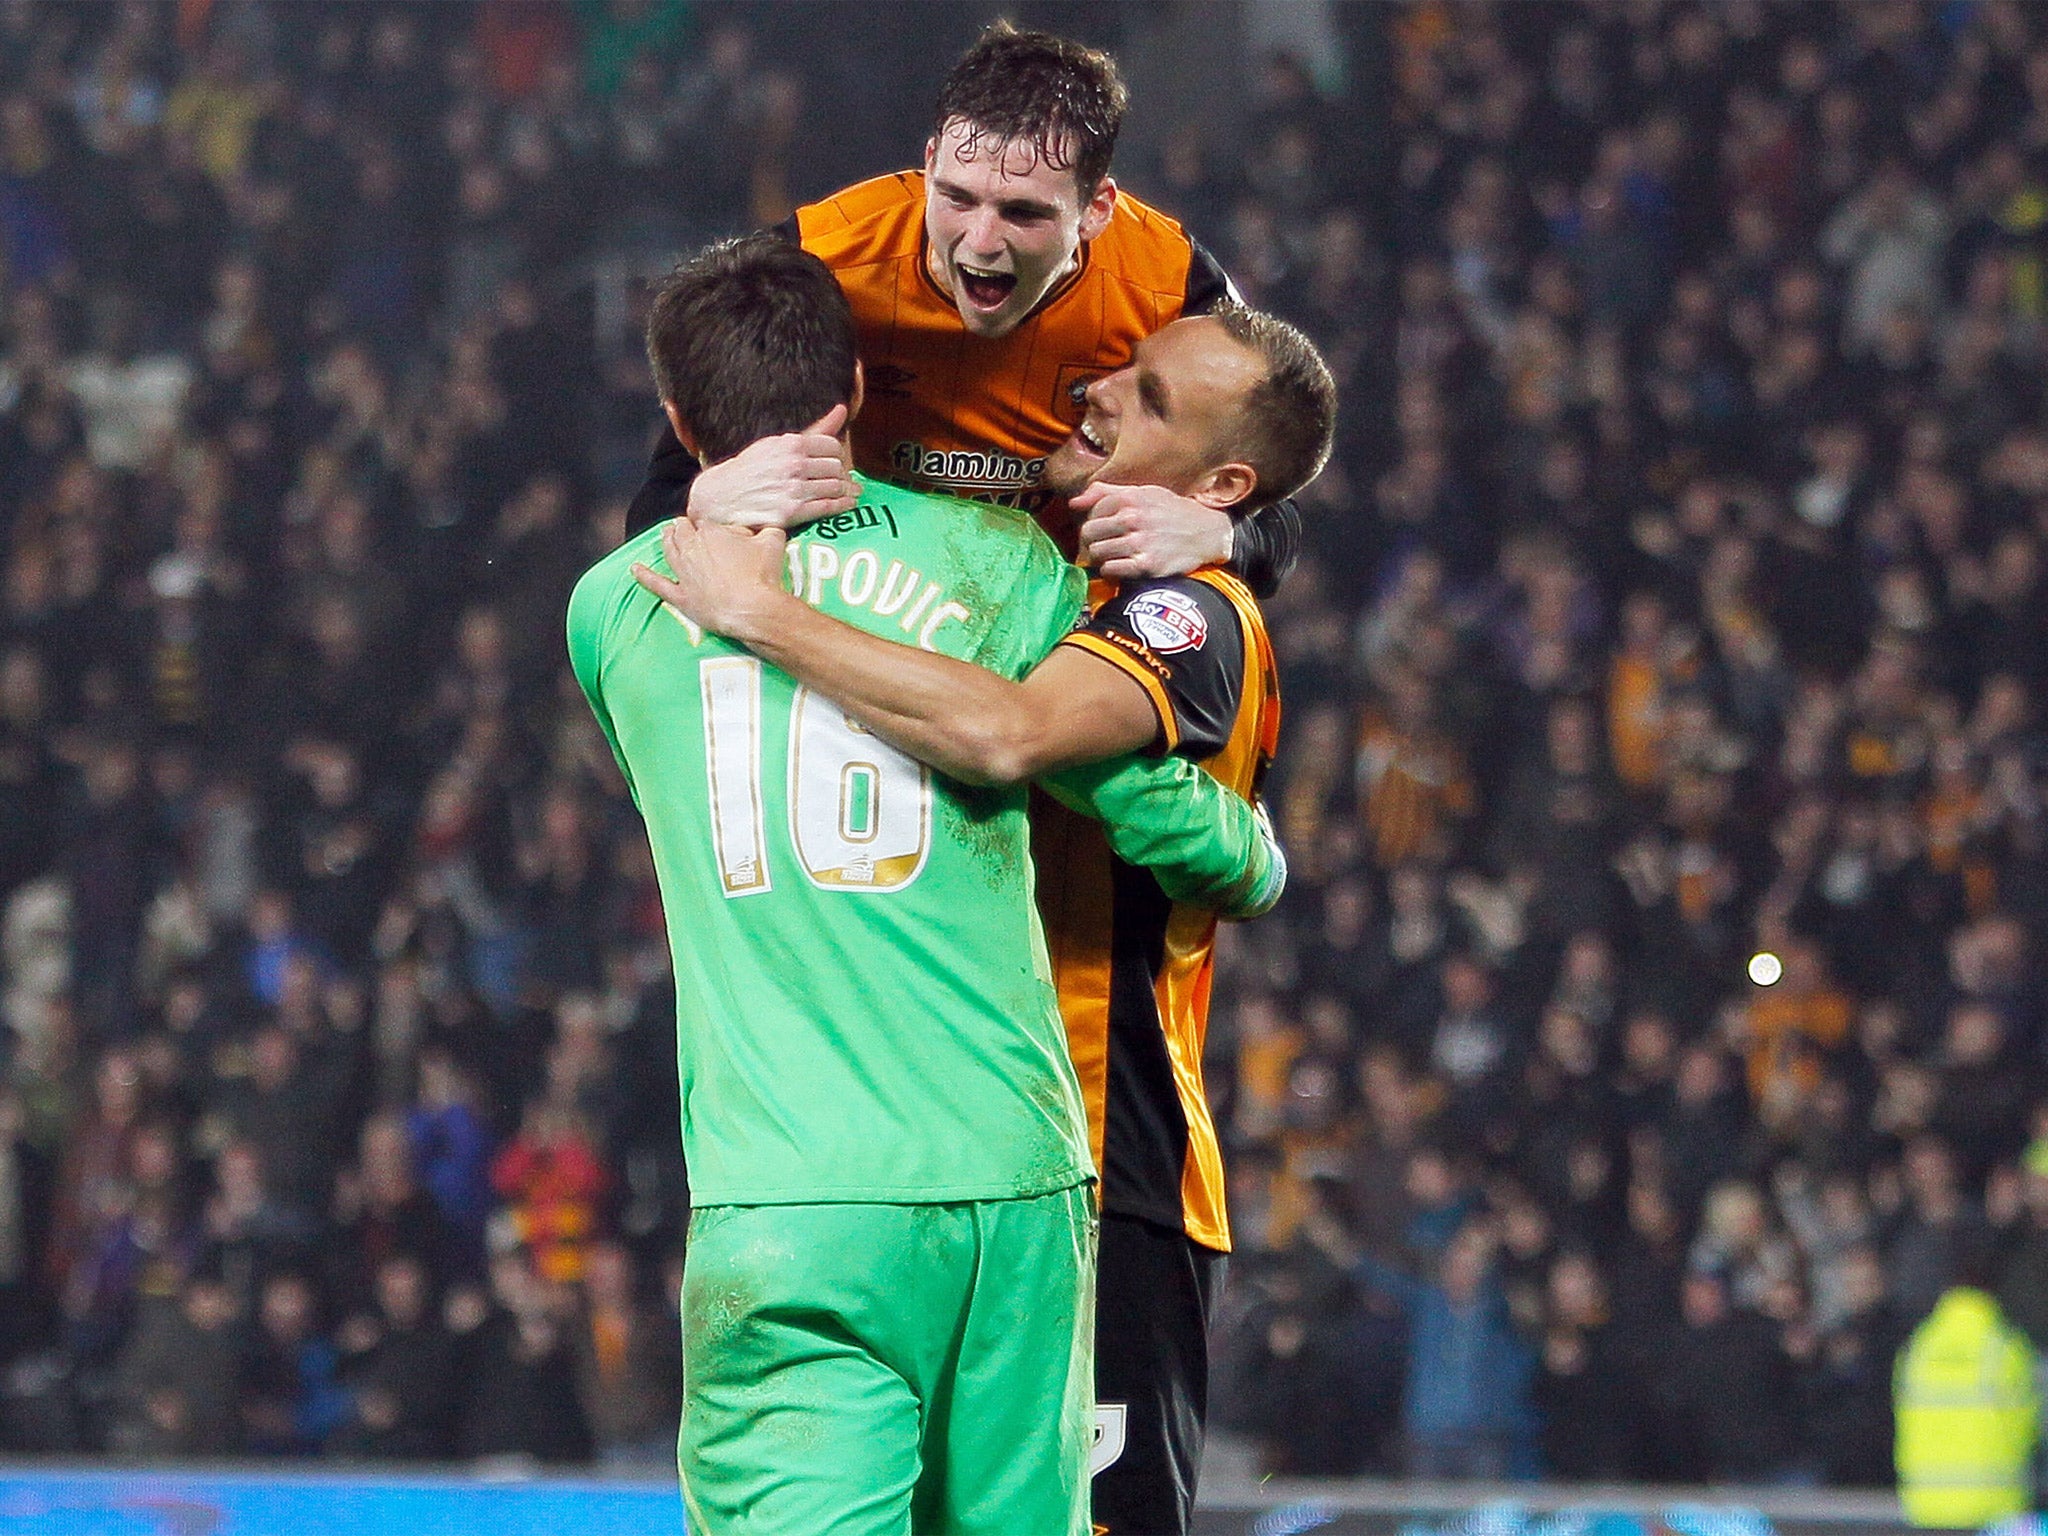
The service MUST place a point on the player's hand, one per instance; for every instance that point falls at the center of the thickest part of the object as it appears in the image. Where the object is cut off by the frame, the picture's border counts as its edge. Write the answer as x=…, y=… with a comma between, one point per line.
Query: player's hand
x=726, y=580
x=1135, y=532
x=779, y=482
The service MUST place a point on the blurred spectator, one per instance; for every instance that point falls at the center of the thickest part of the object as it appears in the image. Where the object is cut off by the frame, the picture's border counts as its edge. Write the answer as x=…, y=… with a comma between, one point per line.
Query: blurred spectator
x=617, y=34
x=137, y=1251
x=551, y=1179
x=451, y=1148
x=1736, y=1243
x=629, y=1365
x=1727, y=1385
x=1309, y=1363
x=1467, y=1410
x=24, y=1232
x=1848, y=1360
x=292, y=1399
x=179, y=1376
x=91, y=1188
x=1934, y=1223
x=2021, y=1221
x=246, y=1234
x=1700, y=1137
x=1968, y=1412
x=1582, y=1384
x=381, y=1212
x=523, y=1400
x=285, y=1109
x=1889, y=236
x=400, y=1367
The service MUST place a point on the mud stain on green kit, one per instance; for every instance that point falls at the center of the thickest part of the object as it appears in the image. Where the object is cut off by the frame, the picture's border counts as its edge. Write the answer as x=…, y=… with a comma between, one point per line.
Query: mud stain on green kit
x=989, y=825
x=725, y=1289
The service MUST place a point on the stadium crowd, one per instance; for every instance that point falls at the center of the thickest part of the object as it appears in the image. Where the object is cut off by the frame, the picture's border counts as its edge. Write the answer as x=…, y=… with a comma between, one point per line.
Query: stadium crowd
x=1678, y=594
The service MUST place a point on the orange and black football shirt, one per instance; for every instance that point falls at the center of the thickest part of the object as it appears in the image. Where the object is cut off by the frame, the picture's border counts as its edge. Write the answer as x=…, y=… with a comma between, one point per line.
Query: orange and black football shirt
x=975, y=415
x=1134, y=969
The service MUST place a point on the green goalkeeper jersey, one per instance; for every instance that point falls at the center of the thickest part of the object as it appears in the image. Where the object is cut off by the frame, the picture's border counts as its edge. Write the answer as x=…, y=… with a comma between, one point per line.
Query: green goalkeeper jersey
x=864, y=1007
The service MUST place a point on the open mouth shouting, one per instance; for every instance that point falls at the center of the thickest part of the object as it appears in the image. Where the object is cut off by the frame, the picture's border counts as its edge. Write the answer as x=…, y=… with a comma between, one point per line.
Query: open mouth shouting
x=985, y=289
x=1087, y=440
x=1084, y=455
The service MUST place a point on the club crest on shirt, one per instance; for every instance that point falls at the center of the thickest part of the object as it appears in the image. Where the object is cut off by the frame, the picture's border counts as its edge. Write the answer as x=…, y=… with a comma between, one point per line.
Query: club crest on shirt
x=1168, y=621
x=1070, y=390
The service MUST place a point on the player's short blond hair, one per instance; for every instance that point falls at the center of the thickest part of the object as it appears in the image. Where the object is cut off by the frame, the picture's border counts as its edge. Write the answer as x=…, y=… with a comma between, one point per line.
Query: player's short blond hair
x=1290, y=421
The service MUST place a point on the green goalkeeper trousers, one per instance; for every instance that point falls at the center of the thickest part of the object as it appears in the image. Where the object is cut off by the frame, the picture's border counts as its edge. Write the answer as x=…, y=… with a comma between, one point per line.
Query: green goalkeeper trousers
x=881, y=1370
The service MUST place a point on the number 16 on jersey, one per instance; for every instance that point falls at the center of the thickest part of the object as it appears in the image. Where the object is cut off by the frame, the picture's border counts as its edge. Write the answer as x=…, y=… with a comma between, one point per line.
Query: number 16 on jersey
x=860, y=812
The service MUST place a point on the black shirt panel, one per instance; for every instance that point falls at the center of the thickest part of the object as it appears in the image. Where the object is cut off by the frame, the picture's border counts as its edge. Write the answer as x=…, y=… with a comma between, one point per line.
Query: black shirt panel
x=1190, y=636
x=1265, y=546
x=1208, y=284
x=667, y=491
x=1145, y=1132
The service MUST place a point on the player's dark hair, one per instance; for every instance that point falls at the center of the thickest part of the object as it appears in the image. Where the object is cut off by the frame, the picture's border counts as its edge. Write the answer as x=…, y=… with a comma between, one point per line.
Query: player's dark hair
x=1065, y=100
x=749, y=338
x=1291, y=419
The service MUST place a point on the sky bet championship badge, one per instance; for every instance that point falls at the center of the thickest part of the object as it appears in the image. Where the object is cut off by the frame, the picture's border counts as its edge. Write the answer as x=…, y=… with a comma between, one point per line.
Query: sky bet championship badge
x=1168, y=621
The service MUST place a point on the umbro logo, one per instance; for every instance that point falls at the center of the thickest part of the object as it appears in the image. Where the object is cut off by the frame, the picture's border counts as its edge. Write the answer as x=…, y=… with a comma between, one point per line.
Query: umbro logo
x=888, y=379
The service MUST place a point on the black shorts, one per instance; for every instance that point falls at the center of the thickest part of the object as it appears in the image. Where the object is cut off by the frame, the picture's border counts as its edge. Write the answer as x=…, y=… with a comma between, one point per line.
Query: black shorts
x=1155, y=1295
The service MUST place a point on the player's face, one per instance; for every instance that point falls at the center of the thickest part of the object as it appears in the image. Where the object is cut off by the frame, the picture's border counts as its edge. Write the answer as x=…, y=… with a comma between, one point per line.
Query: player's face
x=1001, y=226
x=1168, y=419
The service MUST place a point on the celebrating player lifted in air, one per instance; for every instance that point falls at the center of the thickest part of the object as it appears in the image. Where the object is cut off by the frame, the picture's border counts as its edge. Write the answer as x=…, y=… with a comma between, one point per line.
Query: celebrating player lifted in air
x=1231, y=410
x=990, y=287
x=889, y=1281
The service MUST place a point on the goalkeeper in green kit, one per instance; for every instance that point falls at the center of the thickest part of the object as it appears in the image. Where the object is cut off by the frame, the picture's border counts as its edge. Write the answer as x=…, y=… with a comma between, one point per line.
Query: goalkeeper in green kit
x=888, y=1289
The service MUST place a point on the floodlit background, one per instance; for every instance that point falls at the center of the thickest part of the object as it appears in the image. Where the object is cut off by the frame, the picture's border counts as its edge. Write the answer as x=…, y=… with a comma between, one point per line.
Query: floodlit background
x=1662, y=767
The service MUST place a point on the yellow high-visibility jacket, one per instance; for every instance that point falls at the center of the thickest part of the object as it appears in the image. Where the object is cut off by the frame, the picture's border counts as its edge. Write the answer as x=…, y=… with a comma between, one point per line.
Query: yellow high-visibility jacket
x=1967, y=1414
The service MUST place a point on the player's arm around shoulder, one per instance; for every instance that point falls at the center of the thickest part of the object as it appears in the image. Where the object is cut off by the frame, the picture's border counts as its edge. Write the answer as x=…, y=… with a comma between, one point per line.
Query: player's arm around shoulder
x=1062, y=708
x=1072, y=709
x=1157, y=665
